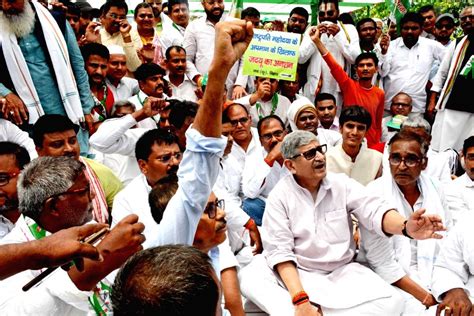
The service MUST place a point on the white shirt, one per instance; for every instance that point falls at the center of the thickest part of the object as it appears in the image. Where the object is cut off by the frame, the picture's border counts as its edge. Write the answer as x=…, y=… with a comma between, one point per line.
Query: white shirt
x=172, y=35
x=5, y=226
x=258, y=178
x=126, y=88
x=334, y=126
x=408, y=70
x=455, y=264
x=138, y=101
x=9, y=132
x=317, y=237
x=460, y=195
x=328, y=137
x=466, y=188
x=265, y=108
x=56, y=295
x=197, y=174
x=185, y=91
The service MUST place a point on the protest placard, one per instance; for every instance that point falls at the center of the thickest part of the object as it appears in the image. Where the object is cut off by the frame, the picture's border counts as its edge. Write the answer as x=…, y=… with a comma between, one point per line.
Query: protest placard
x=273, y=55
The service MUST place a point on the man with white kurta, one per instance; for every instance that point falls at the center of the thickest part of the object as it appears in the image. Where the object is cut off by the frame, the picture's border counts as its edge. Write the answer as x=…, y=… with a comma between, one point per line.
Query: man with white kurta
x=407, y=264
x=308, y=239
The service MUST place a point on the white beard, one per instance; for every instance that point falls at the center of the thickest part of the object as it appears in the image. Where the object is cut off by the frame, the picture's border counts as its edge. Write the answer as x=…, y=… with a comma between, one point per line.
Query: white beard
x=19, y=24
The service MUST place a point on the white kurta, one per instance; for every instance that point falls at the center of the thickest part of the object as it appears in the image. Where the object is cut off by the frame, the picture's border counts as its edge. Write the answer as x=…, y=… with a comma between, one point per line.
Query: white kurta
x=454, y=267
x=126, y=88
x=317, y=237
x=266, y=108
x=185, y=91
x=56, y=295
x=138, y=101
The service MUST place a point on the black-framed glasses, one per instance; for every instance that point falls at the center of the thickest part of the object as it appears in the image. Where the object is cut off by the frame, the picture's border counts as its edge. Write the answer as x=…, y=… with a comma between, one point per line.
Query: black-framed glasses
x=211, y=208
x=242, y=121
x=444, y=26
x=5, y=177
x=167, y=157
x=310, y=154
x=269, y=136
x=410, y=160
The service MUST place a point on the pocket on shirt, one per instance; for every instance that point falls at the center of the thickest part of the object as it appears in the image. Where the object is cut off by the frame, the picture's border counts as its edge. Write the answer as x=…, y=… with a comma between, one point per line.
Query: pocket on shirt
x=337, y=226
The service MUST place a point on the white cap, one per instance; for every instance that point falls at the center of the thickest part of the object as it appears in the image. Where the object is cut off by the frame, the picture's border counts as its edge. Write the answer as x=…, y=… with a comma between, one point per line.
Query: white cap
x=115, y=50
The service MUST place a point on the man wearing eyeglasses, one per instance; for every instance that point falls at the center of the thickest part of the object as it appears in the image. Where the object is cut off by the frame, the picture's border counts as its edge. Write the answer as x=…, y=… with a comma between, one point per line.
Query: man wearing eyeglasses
x=54, y=194
x=399, y=110
x=337, y=40
x=444, y=28
x=407, y=264
x=13, y=158
x=116, y=31
x=309, y=235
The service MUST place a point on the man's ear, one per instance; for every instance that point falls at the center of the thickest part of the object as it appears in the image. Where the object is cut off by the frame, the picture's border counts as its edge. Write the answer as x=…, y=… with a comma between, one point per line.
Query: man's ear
x=50, y=207
x=143, y=165
x=424, y=163
x=290, y=165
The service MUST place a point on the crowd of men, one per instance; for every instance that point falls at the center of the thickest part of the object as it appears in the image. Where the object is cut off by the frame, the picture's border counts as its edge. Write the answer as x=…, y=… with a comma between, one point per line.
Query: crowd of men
x=348, y=191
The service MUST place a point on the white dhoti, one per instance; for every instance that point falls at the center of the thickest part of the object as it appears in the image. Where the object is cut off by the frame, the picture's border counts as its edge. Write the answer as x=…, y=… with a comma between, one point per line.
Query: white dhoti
x=451, y=128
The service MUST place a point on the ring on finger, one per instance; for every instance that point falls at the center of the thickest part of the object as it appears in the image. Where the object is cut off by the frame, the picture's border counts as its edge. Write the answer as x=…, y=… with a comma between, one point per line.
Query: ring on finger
x=447, y=308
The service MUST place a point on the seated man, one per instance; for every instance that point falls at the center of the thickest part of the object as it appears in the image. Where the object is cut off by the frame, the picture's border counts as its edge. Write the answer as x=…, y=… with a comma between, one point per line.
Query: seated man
x=352, y=157
x=263, y=172
x=151, y=83
x=55, y=135
x=453, y=278
x=400, y=107
x=13, y=158
x=308, y=238
x=303, y=116
x=407, y=264
x=167, y=280
x=55, y=194
x=121, y=86
x=181, y=86
x=265, y=101
x=326, y=111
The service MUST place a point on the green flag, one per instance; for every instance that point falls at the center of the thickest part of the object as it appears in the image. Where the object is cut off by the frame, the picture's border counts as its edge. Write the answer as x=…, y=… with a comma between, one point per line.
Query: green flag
x=398, y=8
x=236, y=8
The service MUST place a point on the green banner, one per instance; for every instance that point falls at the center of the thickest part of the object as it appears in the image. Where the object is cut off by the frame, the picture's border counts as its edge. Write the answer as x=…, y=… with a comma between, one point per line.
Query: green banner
x=272, y=55
x=398, y=8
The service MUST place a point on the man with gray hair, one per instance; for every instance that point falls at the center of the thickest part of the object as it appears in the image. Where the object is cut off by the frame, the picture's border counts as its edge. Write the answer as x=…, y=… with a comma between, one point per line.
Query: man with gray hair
x=308, y=238
x=55, y=194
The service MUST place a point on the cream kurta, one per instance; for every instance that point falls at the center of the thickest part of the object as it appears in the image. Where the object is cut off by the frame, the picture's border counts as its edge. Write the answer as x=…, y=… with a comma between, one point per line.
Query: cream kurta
x=364, y=169
x=317, y=237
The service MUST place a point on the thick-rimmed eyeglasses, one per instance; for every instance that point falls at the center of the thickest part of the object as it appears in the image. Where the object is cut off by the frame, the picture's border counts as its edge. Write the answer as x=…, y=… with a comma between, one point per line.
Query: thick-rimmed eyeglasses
x=6, y=177
x=267, y=137
x=310, y=154
x=242, y=121
x=211, y=208
x=409, y=161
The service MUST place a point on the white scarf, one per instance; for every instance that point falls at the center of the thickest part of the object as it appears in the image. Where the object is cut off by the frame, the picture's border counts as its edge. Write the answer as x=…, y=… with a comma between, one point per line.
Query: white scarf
x=20, y=75
x=427, y=250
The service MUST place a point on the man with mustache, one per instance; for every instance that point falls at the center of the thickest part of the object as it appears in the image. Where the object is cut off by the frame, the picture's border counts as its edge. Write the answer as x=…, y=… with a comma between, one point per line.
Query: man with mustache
x=173, y=33
x=361, y=92
x=115, y=30
x=121, y=86
x=408, y=63
x=326, y=111
x=261, y=173
x=56, y=136
x=309, y=242
x=444, y=28
x=464, y=185
x=13, y=158
x=36, y=77
x=152, y=84
x=454, y=121
x=182, y=86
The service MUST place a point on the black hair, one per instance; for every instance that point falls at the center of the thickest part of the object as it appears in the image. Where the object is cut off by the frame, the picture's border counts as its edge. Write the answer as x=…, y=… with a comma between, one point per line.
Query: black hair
x=73, y=9
x=300, y=11
x=346, y=18
x=250, y=12
x=173, y=280
x=51, y=123
x=155, y=136
x=113, y=3
x=468, y=143
x=172, y=3
x=363, y=21
x=141, y=5
x=335, y=2
x=175, y=47
x=367, y=55
x=21, y=154
x=180, y=110
x=412, y=17
x=160, y=196
x=357, y=114
x=324, y=96
x=426, y=8
x=145, y=71
x=267, y=118
x=225, y=113
x=94, y=49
